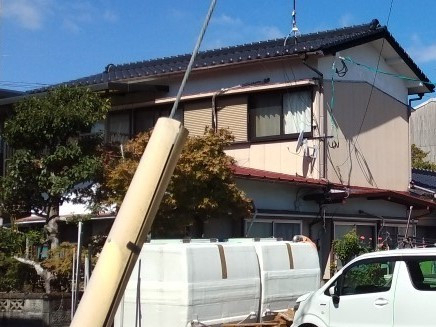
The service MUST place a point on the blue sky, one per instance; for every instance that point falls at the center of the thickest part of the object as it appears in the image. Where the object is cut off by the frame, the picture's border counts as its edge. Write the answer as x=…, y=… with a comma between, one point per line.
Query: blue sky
x=51, y=41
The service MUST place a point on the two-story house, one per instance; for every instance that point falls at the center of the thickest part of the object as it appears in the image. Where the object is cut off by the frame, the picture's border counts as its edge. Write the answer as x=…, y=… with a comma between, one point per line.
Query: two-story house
x=321, y=127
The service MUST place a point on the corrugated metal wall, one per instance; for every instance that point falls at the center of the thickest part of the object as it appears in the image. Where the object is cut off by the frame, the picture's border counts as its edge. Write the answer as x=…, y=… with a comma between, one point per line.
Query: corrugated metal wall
x=232, y=114
x=422, y=128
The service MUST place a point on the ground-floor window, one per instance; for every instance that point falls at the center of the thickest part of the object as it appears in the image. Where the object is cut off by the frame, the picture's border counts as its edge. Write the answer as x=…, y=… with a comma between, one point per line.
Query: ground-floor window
x=426, y=235
x=365, y=231
x=265, y=227
x=391, y=234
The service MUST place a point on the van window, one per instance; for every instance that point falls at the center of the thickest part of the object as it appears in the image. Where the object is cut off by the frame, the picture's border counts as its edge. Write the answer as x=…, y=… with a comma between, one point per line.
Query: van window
x=422, y=273
x=369, y=277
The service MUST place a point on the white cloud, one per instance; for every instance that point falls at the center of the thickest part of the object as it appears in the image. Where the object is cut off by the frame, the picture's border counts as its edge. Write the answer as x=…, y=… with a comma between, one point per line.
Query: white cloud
x=269, y=32
x=346, y=20
x=29, y=14
x=420, y=52
x=71, y=15
x=110, y=16
x=71, y=26
x=226, y=20
x=177, y=14
x=226, y=30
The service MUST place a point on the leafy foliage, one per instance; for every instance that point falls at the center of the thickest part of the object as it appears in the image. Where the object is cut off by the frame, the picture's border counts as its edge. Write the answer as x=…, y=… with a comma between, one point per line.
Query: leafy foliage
x=55, y=156
x=11, y=242
x=15, y=276
x=60, y=263
x=419, y=161
x=348, y=247
x=202, y=185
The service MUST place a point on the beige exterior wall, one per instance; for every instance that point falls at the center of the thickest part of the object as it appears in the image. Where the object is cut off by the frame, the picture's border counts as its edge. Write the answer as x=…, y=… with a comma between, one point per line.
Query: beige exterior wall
x=374, y=153
x=382, y=159
x=281, y=156
x=278, y=156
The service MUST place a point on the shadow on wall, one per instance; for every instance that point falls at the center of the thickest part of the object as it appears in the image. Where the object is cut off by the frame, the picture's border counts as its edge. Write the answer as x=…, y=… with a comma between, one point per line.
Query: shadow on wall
x=357, y=111
x=308, y=165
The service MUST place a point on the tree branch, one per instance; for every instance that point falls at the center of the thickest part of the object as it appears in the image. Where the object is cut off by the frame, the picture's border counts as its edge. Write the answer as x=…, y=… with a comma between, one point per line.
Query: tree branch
x=43, y=273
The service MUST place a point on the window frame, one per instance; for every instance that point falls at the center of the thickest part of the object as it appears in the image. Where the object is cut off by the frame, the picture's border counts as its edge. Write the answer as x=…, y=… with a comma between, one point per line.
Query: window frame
x=412, y=232
x=251, y=118
x=339, y=281
x=157, y=111
x=407, y=261
x=273, y=221
x=355, y=224
x=111, y=115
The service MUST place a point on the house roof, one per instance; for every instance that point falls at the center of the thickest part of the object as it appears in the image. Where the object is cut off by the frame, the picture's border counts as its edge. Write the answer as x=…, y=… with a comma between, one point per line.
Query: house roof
x=326, y=42
x=424, y=178
x=33, y=219
x=404, y=198
x=251, y=173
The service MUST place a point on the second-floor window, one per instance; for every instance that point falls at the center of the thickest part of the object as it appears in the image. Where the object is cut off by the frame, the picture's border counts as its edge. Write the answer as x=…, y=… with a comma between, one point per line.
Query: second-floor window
x=118, y=127
x=280, y=114
x=123, y=125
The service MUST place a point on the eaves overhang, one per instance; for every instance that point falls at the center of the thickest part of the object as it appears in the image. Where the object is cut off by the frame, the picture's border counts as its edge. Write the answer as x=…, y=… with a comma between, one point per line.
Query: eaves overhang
x=378, y=34
x=108, y=88
x=332, y=193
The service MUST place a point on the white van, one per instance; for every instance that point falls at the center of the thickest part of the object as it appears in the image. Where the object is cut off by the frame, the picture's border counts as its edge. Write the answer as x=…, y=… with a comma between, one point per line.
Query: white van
x=387, y=288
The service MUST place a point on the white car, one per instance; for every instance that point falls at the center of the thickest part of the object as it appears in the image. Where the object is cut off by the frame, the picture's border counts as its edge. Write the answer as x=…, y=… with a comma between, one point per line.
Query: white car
x=387, y=288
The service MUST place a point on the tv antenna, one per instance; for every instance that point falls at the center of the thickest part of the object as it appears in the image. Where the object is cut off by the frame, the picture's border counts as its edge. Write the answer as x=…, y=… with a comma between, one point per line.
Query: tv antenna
x=295, y=31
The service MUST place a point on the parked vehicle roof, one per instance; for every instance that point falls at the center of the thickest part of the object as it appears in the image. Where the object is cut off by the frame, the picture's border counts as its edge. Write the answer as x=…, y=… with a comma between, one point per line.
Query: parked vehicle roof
x=398, y=253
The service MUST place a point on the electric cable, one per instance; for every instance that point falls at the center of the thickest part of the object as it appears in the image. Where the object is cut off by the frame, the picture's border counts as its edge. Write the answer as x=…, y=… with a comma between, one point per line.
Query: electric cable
x=379, y=71
x=193, y=56
x=335, y=143
x=343, y=71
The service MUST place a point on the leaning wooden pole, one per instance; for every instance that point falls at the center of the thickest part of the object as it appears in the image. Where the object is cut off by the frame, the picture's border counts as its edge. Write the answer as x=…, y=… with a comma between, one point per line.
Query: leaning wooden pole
x=132, y=224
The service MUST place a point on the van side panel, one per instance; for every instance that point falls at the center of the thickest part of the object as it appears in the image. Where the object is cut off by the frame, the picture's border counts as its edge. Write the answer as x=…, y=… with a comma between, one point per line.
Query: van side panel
x=413, y=307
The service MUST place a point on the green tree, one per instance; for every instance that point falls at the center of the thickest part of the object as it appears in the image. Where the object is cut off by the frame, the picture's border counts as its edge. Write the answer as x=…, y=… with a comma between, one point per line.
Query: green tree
x=202, y=186
x=14, y=275
x=419, y=159
x=55, y=157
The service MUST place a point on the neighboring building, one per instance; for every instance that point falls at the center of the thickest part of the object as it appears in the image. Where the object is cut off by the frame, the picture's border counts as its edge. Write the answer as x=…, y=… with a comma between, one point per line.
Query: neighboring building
x=422, y=128
x=424, y=180
x=321, y=144
x=424, y=184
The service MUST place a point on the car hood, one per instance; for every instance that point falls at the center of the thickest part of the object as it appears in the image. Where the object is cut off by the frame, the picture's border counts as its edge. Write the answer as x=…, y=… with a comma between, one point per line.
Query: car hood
x=304, y=297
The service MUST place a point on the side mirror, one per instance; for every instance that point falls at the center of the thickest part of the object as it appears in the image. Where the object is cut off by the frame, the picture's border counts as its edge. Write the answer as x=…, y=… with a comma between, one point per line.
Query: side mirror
x=334, y=294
